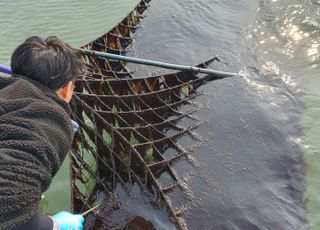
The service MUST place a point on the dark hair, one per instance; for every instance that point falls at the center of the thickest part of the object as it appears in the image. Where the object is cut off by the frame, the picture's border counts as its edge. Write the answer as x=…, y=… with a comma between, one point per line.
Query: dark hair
x=49, y=61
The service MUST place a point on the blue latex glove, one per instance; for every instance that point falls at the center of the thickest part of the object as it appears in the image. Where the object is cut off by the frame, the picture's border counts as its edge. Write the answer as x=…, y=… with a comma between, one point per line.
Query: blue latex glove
x=68, y=221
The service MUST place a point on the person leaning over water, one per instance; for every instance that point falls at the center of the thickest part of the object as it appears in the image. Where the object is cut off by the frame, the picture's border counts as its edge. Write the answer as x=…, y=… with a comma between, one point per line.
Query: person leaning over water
x=35, y=131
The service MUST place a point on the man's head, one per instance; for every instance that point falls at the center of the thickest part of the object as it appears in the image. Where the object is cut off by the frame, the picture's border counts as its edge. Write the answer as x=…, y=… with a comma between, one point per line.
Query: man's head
x=49, y=61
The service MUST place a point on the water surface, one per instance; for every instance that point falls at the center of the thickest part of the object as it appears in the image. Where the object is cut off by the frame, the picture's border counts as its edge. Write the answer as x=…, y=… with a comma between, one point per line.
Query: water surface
x=75, y=21
x=262, y=129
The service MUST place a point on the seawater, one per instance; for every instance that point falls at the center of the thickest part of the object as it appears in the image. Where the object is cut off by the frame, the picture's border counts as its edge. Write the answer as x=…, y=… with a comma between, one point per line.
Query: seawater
x=273, y=43
x=259, y=167
x=286, y=36
x=76, y=22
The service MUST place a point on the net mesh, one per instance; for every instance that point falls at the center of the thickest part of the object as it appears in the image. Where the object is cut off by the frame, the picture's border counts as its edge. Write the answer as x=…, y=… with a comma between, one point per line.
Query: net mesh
x=130, y=127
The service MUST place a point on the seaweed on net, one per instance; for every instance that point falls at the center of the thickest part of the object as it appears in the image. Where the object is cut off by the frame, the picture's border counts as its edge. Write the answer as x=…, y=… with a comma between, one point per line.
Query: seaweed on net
x=128, y=123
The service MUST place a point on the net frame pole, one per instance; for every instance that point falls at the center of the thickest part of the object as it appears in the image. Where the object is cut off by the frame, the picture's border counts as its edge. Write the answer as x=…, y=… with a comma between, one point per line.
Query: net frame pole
x=165, y=65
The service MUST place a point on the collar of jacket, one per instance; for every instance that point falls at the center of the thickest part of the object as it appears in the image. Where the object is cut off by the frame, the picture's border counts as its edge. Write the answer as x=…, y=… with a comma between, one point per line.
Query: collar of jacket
x=47, y=91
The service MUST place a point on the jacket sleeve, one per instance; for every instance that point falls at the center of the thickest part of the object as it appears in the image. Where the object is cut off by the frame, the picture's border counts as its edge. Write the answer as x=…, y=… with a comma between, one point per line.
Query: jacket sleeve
x=35, y=137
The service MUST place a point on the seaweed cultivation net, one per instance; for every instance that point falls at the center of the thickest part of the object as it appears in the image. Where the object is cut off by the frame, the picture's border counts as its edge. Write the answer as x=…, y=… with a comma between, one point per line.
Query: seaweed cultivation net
x=129, y=126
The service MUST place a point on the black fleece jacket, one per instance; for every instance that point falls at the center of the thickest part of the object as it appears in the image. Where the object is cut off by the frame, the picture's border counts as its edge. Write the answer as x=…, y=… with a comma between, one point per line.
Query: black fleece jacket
x=35, y=136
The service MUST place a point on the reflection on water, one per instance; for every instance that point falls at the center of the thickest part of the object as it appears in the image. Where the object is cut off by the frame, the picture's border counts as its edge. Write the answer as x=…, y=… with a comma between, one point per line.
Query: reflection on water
x=287, y=34
x=314, y=52
x=290, y=30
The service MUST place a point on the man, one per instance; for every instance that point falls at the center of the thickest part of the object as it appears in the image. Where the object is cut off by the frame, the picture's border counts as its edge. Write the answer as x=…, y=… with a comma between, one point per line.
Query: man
x=35, y=131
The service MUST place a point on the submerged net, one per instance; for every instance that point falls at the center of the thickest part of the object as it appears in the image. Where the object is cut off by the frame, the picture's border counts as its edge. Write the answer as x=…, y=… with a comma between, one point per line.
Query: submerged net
x=130, y=127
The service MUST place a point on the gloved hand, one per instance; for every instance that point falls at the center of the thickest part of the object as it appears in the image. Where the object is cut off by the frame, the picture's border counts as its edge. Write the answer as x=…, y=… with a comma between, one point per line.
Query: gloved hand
x=68, y=221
